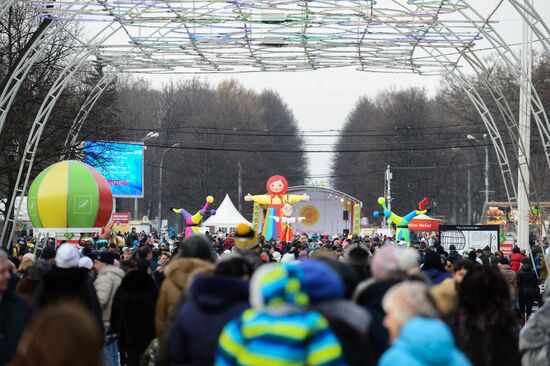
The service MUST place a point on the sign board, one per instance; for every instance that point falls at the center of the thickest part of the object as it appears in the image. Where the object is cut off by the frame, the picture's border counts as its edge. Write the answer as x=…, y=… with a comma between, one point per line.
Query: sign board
x=506, y=248
x=120, y=163
x=468, y=237
x=121, y=222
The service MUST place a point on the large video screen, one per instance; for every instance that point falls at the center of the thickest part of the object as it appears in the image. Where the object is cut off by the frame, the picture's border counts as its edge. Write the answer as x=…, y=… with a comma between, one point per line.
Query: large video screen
x=120, y=163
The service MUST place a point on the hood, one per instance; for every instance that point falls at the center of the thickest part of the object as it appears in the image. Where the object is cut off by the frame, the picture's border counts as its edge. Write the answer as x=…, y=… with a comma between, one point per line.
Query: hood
x=320, y=282
x=427, y=339
x=277, y=288
x=213, y=293
x=112, y=270
x=179, y=269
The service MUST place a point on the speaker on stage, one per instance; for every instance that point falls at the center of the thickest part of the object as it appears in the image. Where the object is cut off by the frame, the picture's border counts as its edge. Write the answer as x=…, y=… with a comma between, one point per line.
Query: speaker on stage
x=345, y=215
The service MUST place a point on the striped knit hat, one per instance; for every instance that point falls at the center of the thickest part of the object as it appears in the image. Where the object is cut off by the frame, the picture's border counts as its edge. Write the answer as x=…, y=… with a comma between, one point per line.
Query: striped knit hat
x=245, y=237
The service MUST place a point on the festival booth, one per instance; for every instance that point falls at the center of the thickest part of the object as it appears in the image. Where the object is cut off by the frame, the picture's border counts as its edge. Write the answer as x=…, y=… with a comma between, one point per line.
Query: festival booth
x=328, y=211
x=69, y=200
x=226, y=219
x=425, y=223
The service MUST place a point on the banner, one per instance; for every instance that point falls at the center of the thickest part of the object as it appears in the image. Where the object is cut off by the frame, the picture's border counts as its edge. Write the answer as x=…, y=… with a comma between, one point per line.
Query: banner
x=121, y=222
x=120, y=163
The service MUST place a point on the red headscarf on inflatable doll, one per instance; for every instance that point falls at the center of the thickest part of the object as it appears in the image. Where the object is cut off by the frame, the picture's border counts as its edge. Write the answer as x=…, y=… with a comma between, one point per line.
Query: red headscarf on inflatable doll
x=274, y=179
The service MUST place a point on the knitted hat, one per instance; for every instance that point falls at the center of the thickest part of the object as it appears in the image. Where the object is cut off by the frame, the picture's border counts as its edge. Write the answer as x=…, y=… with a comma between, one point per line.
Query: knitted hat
x=321, y=282
x=86, y=262
x=106, y=257
x=245, y=237
x=277, y=256
x=67, y=256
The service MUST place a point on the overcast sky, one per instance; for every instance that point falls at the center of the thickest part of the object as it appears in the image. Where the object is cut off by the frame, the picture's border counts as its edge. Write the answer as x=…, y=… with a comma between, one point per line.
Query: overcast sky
x=322, y=99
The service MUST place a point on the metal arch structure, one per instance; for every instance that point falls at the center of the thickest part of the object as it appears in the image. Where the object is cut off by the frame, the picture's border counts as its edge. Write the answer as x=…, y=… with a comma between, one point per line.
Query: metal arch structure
x=25, y=167
x=16, y=79
x=5, y=6
x=513, y=62
x=89, y=103
x=215, y=36
x=325, y=190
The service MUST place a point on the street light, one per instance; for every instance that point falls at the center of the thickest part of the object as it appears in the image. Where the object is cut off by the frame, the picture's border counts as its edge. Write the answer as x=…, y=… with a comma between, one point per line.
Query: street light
x=150, y=135
x=160, y=184
x=484, y=144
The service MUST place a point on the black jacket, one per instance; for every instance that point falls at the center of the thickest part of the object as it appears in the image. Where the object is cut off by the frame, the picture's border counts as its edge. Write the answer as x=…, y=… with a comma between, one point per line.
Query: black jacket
x=68, y=284
x=527, y=280
x=133, y=311
x=213, y=301
x=370, y=298
x=14, y=315
x=350, y=323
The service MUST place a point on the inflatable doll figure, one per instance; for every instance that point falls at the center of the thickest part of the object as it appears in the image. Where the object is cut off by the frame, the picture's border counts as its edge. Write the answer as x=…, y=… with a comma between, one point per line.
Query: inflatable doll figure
x=192, y=221
x=276, y=198
x=287, y=220
x=402, y=223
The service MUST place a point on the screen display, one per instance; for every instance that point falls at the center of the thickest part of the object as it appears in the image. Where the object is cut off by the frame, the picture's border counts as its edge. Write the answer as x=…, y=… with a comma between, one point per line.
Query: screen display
x=120, y=163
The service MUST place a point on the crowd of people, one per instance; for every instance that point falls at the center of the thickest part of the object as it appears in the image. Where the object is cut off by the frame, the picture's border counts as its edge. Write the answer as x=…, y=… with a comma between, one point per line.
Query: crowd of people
x=243, y=300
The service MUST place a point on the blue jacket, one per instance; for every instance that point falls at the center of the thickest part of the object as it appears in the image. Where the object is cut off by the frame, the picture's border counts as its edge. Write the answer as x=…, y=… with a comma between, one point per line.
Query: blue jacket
x=424, y=342
x=436, y=276
x=213, y=301
x=279, y=329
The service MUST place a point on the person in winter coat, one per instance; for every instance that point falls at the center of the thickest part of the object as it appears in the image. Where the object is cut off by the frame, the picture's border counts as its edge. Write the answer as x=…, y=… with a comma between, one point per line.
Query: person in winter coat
x=195, y=252
x=418, y=338
x=61, y=335
x=133, y=312
x=68, y=282
x=534, y=339
x=14, y=313
x=434, y=269
x=515, y=259
x=528, y=288
x=349, y=321
x=390, y=265
x=484, y=307
x=487, y=257
x=278, y=329
x=445, y=294
x=32, y=279
x=107, y=282
x=510, y=277
x=211, y=303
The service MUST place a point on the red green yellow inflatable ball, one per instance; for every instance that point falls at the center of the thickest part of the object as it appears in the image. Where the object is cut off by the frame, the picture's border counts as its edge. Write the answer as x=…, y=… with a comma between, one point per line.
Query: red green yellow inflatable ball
x=69, y=194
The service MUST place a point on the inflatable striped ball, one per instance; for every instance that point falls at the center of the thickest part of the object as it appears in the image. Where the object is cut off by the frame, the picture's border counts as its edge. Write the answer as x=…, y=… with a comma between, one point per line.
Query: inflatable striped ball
x=69, y=194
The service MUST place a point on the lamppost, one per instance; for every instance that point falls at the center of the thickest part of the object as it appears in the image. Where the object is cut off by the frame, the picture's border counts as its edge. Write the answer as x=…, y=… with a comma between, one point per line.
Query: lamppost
x=160, y=184
x=484, y=144
x=150, y=135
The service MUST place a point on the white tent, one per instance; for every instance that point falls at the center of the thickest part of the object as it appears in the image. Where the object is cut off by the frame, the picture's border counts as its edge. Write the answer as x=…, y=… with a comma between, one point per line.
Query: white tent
x=226, y=217
x=23, y=214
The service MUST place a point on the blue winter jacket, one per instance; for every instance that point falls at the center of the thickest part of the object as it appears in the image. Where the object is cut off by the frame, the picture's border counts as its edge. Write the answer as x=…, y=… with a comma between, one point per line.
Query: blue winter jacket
x=424, y=342
x=212, y=302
